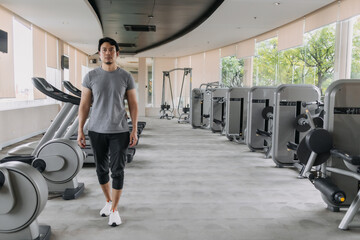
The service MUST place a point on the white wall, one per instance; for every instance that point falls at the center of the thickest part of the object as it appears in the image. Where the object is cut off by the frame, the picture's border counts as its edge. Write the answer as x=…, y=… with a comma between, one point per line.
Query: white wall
x=19, y=124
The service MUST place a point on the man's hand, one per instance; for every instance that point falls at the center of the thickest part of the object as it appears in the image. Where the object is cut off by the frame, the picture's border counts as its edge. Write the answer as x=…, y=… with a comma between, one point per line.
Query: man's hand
x=133, y=138
x=81, y=139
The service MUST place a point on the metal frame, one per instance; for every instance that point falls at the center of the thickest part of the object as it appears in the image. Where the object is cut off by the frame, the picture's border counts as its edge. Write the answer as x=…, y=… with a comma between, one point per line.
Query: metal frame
x=259, y=98
x=167, y=74
x=217, y=110
x=287, y=105
x=342, y=119
x=236, y=113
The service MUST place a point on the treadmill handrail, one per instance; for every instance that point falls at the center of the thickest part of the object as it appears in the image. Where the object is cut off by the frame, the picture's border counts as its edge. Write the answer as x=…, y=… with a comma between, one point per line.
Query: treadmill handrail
x=49, y=90
x=71, y=88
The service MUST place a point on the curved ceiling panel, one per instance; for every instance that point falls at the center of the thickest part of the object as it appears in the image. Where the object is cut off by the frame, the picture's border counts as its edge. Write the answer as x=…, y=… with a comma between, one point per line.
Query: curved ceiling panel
x=139, y=25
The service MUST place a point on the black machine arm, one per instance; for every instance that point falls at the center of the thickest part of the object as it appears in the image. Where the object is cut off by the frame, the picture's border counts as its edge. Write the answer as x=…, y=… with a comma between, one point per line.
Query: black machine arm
x=263, y=133
x=46, y=88
x=305, y=104
x=71, y=88
x=355, y=160
x=292, y=146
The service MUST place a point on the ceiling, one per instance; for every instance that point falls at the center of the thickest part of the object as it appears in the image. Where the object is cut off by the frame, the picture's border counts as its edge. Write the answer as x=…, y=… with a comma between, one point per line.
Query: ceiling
x=160, y=21
x=79, y=24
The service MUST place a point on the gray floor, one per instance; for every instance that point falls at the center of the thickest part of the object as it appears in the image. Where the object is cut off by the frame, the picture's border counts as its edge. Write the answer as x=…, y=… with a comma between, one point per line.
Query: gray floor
x=193, y=184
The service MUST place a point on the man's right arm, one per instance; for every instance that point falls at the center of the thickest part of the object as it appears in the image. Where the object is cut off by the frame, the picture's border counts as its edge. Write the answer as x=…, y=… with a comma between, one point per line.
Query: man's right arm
x=84, y=108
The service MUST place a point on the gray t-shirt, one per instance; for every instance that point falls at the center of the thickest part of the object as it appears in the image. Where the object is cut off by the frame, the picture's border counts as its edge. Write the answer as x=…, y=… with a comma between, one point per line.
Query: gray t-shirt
x=108, y=114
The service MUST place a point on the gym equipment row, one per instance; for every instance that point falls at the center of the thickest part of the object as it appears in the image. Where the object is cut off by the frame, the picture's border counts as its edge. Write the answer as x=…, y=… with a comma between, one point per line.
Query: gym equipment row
x=201, y=105
x=50, y=166
x=58, y=159
x=335, y=150
x=291, y=125
x=228, y=110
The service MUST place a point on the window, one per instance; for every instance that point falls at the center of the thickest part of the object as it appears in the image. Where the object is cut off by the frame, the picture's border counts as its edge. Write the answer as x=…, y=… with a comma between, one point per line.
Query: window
x=232, y=71
x=291, y=66
x=355, y=59
x=53, y=76
x=23, y=61
x=312, y=63
x=266, y=63
x=150, y=96
x=319, y=56
x=84, y=71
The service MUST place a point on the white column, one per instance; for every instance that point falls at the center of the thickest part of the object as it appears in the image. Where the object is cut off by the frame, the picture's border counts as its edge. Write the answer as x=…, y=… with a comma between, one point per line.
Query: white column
x=142, y=85
x=343, y=50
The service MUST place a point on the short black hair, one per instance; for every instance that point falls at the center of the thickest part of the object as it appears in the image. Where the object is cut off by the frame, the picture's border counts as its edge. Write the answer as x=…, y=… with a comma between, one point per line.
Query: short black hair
x=109, y=40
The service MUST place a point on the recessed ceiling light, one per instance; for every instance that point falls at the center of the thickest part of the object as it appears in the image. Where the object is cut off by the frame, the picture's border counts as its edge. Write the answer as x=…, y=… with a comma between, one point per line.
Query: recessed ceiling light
x=276, y=3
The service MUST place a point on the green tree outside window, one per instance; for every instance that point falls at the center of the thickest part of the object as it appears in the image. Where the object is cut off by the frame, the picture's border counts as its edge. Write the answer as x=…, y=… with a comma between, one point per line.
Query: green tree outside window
x=355, y=61
x=232, y=71
x=312, y=63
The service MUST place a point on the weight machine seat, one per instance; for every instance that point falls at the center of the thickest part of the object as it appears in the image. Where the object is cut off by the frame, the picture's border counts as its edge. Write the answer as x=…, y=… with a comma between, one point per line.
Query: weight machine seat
x=263, y=133
x=222, y=123
x=319, y=140
x=186, y=109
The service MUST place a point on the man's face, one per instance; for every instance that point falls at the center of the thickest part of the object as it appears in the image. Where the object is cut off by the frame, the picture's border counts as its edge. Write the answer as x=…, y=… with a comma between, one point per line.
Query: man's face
x=108, y=53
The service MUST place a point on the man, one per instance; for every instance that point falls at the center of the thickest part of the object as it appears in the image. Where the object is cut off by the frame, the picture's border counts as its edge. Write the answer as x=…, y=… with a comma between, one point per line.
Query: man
x=105, y=89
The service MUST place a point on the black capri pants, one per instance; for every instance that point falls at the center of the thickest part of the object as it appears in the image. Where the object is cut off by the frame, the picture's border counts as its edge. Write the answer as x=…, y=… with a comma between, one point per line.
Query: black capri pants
x=113, y=147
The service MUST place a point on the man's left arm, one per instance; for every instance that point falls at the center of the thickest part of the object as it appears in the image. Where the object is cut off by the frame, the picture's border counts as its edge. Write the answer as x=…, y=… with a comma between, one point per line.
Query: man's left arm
x=133, y=109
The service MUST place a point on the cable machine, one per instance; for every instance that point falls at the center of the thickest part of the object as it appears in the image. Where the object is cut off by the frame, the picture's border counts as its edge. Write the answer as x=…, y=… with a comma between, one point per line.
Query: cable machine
x=165, y=111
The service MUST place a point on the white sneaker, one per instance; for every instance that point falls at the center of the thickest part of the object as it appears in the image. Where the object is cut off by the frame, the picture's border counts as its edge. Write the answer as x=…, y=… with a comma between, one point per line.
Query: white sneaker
x=105, y=211
x=114, y=218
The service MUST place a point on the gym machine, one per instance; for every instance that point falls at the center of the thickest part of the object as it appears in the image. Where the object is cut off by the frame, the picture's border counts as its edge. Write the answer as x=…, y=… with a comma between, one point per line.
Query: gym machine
x=217, y=110
x=59, y=160
x=200, y=102
x=23, y=196
x=289, y=123
x=166, y=111
x=337, y=149
x=236, y=113
x=260, y=119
